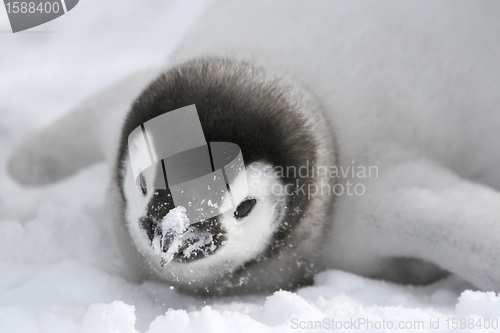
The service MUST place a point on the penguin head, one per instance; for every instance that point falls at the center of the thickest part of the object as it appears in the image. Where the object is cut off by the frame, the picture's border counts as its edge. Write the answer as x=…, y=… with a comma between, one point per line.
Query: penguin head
x=268, y=238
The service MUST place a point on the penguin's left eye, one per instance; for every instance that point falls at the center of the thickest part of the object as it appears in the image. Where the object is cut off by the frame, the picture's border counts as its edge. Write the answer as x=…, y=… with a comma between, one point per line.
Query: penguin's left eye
x=244, y=208
x=143, y=185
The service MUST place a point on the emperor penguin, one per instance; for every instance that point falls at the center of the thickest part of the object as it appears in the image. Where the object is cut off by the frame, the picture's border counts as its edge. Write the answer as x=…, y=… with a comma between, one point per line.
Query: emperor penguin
x=369, y=133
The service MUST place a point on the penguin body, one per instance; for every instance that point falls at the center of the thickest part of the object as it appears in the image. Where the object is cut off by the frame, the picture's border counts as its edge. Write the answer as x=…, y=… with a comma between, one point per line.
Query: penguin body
x=394, y=104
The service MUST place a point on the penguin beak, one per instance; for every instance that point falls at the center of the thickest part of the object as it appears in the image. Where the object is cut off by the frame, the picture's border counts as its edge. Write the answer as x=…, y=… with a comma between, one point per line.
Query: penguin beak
x=197, y=241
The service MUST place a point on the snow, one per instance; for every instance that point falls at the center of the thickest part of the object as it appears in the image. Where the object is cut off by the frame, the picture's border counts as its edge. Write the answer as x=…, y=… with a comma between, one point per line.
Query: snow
x=172, y=226
x=59, y=268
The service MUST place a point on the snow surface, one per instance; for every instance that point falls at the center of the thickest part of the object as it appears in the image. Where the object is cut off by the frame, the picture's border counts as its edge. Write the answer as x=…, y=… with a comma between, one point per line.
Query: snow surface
x=59, y=269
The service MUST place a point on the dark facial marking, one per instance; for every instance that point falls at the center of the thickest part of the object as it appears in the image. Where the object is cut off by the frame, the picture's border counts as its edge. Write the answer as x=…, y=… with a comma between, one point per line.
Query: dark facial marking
x=244, y=208
x=143, y=185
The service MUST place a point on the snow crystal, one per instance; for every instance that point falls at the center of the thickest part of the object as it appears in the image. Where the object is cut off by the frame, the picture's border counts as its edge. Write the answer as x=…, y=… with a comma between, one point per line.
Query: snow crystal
x=199, y=241
x=172, y=227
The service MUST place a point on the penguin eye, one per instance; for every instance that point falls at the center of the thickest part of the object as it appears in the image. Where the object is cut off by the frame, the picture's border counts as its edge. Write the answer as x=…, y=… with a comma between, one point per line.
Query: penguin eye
x=143, y=185
x=244, y=208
